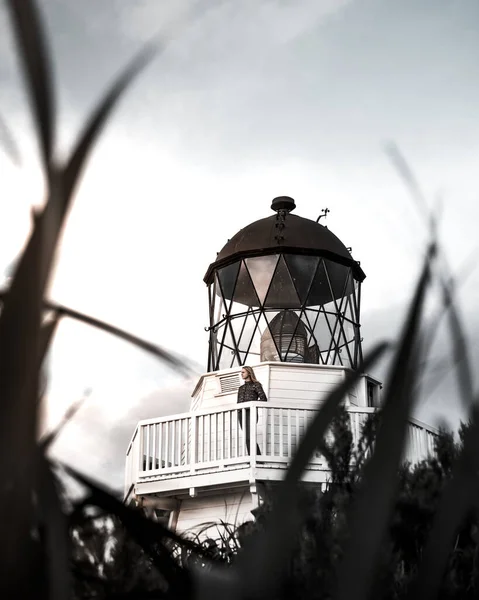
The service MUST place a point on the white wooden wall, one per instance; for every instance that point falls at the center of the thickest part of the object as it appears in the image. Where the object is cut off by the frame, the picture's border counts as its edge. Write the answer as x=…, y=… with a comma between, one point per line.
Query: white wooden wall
x=282, y=382
x=302, y=384
x=233, y=508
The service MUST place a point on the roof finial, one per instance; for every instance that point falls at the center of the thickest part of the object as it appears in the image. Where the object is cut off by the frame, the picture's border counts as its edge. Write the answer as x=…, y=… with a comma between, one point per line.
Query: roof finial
x=283, y=203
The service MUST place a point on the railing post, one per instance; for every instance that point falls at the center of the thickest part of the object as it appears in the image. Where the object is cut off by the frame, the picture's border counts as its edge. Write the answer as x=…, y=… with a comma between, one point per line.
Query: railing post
x=128, y=470
x=140, y=447
x=194, y=443
x=253, y=438
x=243, y=431
x=265, y=413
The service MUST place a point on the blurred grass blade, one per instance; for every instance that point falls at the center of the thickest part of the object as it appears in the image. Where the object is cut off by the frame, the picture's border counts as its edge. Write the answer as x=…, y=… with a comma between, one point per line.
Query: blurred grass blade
x=459, y=495
x=372, y=506
x=453, y=284
x=37, y=68
x=459, y=347
x=460, y=353
x=55, y=529
x=263, y=559
x=150, y=536
x=407, y=175
x=8, y=142
x=50, y=438
x=150, y=532
x=177, y=363
x=99, y=117
x=464, y=370
x=46, y=335
x=19, y=378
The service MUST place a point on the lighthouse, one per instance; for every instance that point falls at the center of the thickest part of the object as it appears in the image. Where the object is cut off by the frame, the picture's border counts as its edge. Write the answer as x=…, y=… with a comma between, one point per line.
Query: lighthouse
x=284, y=297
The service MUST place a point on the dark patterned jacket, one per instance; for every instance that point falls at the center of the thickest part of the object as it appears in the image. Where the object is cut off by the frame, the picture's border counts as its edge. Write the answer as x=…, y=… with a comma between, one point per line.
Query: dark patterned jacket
x=251, y=391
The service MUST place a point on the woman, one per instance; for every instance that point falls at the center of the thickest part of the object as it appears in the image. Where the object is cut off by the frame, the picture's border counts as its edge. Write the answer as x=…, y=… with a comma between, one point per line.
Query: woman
x=250, y=391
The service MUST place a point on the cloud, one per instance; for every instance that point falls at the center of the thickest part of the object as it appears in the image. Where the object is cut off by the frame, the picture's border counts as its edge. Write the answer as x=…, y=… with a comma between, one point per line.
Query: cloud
x=250, y=24
x=439, y=399
x=250, y=100
x=96, y=440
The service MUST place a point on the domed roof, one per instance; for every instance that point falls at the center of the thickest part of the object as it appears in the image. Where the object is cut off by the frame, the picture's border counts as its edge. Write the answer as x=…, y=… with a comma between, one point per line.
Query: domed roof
x=295, y=235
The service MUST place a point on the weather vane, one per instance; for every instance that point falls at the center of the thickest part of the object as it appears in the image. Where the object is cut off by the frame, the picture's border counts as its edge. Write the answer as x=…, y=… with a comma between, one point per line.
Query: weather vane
x=324, y=213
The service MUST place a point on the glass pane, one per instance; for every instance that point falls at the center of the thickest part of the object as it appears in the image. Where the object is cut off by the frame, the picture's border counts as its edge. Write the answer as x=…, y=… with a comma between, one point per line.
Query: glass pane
x=244, y=292
x=282, y=293
x=227, y=278
x=259, y=336
x=320, y=292
x=220, y=305
x=228, y=351
x=332, y=281
x=261, y=270
x=311, y=320
x=302, y=270
x=239, y=325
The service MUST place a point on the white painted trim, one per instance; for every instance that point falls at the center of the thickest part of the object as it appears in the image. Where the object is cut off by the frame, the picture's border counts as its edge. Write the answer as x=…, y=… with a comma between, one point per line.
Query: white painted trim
x=285, y=425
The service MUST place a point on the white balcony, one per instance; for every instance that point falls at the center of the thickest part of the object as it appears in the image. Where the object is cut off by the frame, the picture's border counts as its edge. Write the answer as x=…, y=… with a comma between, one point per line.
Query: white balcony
x=190, y=453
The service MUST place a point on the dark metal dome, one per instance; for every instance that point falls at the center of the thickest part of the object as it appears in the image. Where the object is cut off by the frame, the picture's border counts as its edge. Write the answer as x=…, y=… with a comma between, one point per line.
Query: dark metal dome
x=284, y=233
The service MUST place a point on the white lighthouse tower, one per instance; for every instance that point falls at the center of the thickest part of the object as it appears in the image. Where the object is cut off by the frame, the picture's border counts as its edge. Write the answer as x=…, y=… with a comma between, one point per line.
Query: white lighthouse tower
x=284, y=298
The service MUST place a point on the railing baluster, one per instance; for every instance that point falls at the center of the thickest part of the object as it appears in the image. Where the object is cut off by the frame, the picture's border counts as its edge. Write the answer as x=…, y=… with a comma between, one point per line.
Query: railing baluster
x=305, y=427
x=421, y=443
x=289, y=416
x=167, y=444
x=243, y=428
x=253, y=436
x=180, y=430
x=230, y=434
x=222, y=438
x=208, y=437
x=184, y=442
x=264, y=413
x=281, y=448
x=147, y=450
x=153, y=446
x=275, y=436
x=194, y=443
x=413, y=447
x=160, y=446
x=140, y=448
x=214, y=437
x=416, y=444
x=236, y=413
x=296, y=414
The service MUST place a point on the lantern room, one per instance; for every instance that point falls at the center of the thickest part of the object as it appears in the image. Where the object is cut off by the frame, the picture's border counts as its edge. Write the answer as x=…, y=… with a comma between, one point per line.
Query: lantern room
x=284, y=289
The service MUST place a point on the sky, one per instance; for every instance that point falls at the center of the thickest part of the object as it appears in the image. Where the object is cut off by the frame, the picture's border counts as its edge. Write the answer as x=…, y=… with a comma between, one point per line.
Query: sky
x=246, y=100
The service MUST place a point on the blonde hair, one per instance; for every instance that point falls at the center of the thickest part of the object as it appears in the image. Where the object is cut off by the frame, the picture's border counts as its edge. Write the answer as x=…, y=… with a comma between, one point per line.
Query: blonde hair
x=250, y=372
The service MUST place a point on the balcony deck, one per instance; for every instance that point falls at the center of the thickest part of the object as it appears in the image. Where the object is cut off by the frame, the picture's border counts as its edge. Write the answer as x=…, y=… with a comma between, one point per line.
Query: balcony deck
x=190, y=453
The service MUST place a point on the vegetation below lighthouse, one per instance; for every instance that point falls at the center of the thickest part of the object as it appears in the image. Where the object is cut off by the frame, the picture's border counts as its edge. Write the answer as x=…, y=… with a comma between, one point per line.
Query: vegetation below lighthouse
x=381, y=530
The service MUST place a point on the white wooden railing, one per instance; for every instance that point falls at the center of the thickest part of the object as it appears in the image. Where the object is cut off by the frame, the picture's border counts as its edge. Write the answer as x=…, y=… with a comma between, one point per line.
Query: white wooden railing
x=191, y=443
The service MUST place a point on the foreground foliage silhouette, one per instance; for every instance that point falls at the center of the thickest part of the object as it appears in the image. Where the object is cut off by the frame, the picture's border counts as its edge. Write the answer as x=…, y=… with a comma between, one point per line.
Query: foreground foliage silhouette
x=318, y=544
x=40, y=559
x=317, y=551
